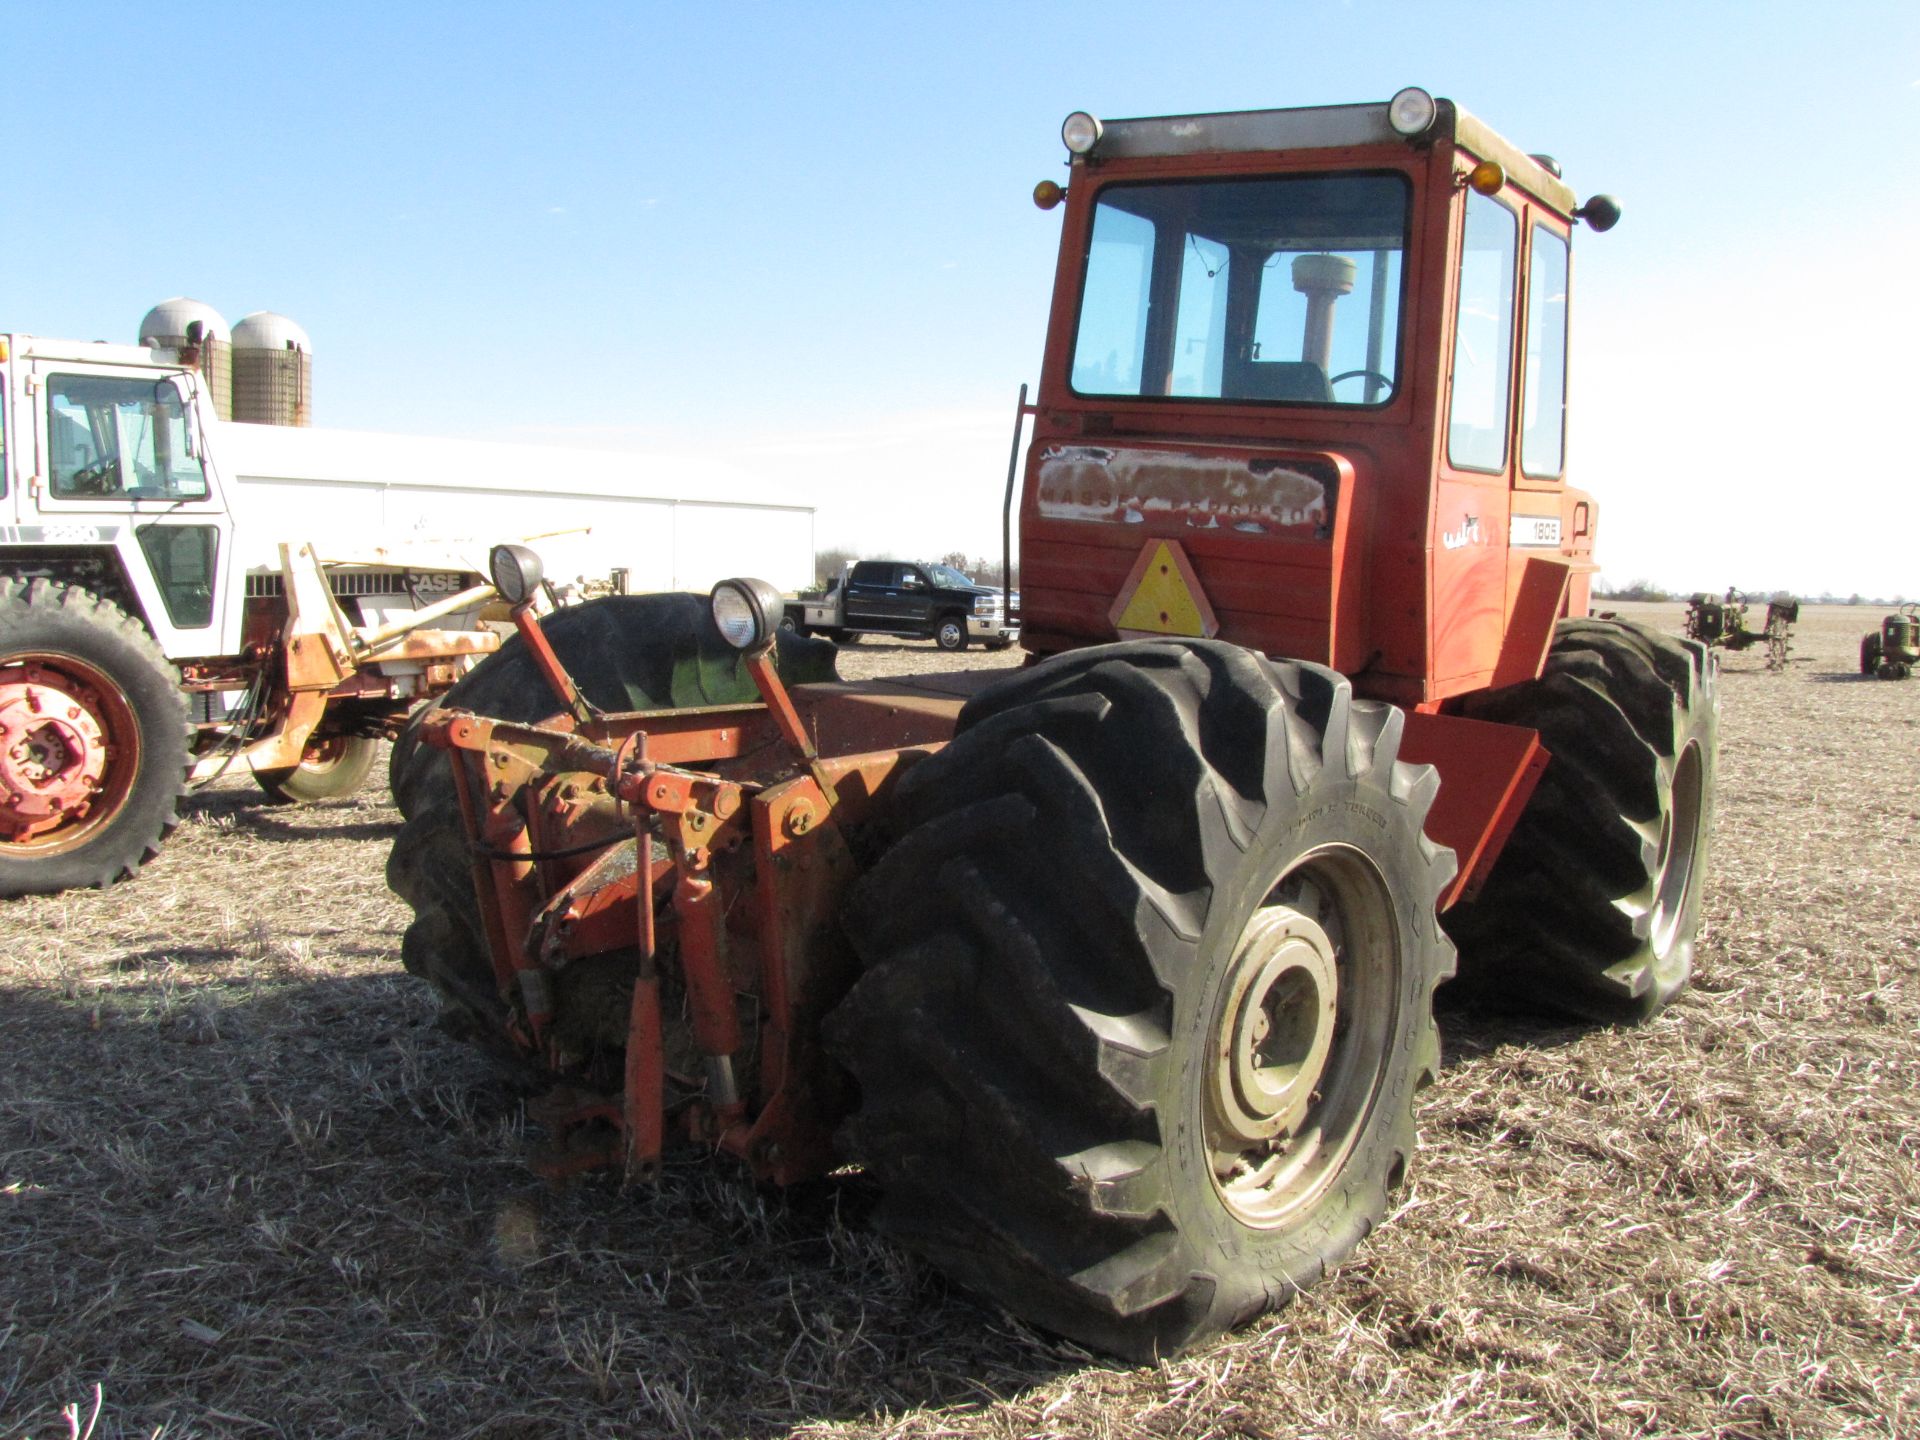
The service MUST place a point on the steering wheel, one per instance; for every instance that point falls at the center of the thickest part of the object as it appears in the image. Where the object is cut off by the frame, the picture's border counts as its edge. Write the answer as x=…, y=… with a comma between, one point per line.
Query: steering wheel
x=100, y=478
x=1386, y=381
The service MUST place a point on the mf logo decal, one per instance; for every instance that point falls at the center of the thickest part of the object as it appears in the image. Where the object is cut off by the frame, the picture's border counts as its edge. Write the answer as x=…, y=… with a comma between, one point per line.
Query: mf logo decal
x=1467, y=534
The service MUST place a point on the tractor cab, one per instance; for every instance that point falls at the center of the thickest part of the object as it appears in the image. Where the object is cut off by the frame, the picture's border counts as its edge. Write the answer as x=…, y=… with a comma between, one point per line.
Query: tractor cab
x=1305, y=390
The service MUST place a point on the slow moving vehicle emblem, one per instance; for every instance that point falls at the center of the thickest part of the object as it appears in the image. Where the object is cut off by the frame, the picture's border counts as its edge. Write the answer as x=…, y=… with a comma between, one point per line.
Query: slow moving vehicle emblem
x=1163, y=596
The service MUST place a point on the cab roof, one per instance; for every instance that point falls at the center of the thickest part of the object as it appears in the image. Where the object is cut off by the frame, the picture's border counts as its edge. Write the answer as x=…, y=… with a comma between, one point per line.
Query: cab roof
x=1323, y=127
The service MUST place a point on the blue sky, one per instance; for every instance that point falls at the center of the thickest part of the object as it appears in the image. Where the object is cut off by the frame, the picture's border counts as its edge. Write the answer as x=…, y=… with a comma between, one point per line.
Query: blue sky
x=800, y=238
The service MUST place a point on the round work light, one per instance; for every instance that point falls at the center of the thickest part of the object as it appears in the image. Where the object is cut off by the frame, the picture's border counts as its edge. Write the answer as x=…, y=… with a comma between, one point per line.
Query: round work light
x=1412, y=112
x=746, y=612
x=1080, y=132
x=516, y=572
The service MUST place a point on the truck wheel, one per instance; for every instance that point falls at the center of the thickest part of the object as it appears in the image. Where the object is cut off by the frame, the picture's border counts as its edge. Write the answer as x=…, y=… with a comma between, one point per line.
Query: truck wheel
x=951, y=634
x=329, y=770
x=1870, y=654
x=1148, y=990
x=94, y=734
x=1593, y=908
x=626, y=652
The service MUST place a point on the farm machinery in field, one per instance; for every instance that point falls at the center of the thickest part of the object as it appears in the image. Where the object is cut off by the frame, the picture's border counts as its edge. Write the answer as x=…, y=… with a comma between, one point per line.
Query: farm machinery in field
x=1723, y=623
x=1892, y=651
x=183, y=596
x=1115, y=973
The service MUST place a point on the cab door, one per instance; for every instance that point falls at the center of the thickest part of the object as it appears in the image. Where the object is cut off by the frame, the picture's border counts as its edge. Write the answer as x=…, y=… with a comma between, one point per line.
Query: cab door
x=870, y=595
x=1472, y=493
x=121, y=461
x=915, y=595
x=1550, y=522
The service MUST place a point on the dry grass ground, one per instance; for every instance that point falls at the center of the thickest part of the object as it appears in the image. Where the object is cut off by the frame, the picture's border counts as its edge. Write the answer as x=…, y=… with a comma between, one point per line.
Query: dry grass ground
x=246, y=1188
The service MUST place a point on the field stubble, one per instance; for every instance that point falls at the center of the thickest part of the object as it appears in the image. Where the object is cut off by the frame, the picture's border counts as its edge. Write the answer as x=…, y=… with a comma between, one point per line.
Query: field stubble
x=246, y=1187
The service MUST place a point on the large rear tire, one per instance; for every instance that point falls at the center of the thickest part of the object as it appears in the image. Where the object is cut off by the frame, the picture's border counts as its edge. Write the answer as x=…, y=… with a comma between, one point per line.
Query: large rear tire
x=1593, y=909
x=625, y=652
x=331, y=769
x=1148, y=990
x=93, y=758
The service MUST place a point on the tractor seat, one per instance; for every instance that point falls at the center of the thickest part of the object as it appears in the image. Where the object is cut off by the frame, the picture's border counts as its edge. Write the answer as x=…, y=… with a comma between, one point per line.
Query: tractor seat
x=1282, y=380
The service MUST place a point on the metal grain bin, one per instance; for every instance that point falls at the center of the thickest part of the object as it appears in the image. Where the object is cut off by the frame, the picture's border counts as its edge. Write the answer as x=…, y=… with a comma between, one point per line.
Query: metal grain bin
x=272, y=371
x=169, y=326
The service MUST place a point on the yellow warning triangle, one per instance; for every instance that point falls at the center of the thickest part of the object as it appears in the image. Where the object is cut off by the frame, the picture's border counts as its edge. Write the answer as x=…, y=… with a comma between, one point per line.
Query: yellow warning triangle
x=1162, y=602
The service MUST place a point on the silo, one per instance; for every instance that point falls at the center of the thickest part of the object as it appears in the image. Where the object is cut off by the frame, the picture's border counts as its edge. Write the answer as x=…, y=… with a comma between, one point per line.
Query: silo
x=272, y=371
x=170, y=326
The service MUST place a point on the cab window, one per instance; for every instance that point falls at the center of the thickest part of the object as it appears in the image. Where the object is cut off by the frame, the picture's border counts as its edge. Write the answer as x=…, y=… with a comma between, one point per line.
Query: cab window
x=1483, y=337
x=1543, y=405
x=1283, y=289
x=183, y=557
x=120, y=439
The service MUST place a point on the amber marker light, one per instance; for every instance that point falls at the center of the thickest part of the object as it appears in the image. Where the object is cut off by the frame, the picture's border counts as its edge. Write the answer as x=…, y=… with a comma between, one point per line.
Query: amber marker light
x=1487, y=177
x=3, y=352
x=1048, y=193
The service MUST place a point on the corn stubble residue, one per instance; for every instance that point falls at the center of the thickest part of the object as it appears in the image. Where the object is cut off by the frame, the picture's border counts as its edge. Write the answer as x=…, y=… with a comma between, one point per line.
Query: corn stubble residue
x=246, y=1187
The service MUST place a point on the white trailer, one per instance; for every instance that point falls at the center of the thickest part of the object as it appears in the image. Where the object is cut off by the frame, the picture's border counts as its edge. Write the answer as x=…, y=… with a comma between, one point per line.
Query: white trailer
x=180, y=595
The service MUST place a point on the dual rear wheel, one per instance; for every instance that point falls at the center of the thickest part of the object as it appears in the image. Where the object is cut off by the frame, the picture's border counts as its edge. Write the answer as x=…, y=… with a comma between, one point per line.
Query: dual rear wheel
x=1593, y=909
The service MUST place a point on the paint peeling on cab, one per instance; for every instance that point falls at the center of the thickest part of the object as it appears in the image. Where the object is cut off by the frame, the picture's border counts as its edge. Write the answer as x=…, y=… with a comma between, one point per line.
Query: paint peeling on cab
x=1255, y=496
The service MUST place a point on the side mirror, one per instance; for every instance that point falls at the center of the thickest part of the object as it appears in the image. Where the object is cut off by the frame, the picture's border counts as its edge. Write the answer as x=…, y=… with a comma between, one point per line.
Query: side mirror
x=179, y=390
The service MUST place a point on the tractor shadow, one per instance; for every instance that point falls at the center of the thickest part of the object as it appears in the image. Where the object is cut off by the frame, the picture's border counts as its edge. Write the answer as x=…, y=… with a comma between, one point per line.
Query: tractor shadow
x=247, y=811
x=322, y=1138
x=1472, y=1025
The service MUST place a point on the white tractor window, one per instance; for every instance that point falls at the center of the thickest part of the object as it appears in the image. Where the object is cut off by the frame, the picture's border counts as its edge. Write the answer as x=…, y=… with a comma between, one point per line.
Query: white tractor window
x=120, y=439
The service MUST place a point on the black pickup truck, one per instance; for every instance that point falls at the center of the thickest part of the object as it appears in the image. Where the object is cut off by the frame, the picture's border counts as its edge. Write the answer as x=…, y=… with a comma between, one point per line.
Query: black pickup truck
x=902, y=597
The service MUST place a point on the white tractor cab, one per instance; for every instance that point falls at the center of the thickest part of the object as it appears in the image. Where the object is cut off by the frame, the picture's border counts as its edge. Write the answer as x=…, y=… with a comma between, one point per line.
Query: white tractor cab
x=145, y=638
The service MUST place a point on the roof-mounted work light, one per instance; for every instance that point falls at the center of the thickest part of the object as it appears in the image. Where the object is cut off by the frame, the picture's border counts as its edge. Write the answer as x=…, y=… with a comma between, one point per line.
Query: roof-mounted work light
x=747, y=613
x=1080, y=132
x=1412, y=112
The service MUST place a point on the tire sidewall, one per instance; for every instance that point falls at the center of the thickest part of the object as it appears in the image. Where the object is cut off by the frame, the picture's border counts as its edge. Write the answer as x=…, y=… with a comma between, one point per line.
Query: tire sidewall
x=1696, y=725
x=335, y=779
x=1359, y=815
x=951, y=634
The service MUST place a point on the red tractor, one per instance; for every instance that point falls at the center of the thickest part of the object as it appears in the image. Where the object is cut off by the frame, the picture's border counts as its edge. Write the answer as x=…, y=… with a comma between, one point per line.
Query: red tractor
x=1115, y=973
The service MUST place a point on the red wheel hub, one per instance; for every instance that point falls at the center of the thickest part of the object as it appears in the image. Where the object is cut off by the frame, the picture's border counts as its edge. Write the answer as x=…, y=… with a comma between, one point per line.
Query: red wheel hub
x=53, y=749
